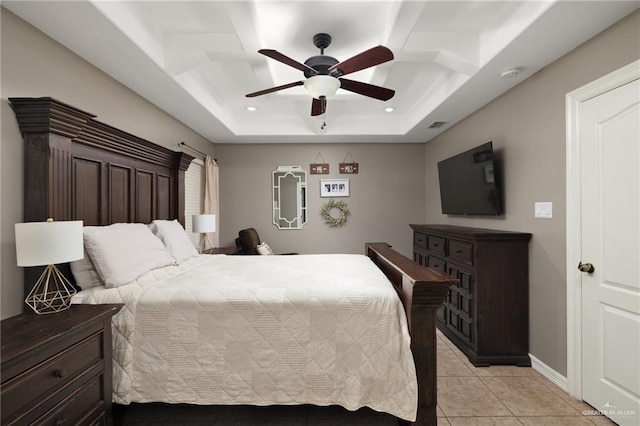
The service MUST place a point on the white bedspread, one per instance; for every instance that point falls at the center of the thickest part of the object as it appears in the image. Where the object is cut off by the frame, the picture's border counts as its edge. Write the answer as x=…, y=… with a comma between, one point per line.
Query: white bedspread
x=263, y=330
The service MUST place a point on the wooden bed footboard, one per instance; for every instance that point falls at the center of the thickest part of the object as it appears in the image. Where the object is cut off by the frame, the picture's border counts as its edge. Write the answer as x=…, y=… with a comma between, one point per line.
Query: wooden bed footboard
x=422, y=291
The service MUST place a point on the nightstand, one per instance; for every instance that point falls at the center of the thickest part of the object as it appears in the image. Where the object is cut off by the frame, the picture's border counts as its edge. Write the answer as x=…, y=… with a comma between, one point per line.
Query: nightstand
x=223, y=250
x=56, y=368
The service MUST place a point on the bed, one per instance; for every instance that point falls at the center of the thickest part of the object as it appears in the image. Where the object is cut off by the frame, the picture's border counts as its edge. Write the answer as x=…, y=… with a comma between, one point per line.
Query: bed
x=369, y=337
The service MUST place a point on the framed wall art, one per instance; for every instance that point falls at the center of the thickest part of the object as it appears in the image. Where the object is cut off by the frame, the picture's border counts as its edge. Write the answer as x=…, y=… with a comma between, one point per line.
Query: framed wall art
x=334, y=187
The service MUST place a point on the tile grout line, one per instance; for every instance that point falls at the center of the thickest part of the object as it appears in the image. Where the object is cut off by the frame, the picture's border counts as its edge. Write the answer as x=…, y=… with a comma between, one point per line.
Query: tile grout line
x=473, y=368
x=540, y=379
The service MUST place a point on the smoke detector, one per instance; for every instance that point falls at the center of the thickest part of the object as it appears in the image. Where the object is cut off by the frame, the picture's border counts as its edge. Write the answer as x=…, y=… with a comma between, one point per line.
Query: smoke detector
x=511, y=72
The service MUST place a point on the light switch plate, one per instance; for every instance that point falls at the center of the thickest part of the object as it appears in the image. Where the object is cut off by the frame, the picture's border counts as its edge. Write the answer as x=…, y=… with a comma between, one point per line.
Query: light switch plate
x=543, y=210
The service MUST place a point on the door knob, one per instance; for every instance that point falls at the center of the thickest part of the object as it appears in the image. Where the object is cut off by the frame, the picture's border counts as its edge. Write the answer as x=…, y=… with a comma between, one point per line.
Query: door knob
x=586, y=267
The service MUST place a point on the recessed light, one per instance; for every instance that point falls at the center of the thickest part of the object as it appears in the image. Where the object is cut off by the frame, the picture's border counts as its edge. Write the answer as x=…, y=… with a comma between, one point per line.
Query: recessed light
x=389, y=109
x=251, y=108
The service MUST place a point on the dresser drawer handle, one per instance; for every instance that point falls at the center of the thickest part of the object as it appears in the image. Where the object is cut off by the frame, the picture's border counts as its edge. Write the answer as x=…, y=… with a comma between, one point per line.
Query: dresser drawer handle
x=61, y=422
x=59, y=374
x=458, y=251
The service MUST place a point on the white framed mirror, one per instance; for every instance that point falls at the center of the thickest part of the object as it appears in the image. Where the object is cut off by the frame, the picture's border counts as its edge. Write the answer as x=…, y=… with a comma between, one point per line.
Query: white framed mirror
x=289, y=185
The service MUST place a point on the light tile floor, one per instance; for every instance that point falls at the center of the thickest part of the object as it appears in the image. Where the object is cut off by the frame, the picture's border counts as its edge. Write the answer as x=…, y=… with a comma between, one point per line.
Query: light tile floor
x=467, y=396
x=502, y=395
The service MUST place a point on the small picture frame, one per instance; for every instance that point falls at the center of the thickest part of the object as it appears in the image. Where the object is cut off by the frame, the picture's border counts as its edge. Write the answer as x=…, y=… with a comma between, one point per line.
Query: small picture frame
x=334, y=187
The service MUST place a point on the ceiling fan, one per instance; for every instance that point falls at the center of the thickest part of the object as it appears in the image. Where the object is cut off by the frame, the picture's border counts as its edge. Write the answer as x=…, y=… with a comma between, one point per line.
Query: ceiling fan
x=324, y=74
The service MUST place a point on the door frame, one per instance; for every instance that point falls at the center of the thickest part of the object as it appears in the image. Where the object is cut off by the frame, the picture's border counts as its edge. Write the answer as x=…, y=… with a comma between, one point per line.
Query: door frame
x=573, y=100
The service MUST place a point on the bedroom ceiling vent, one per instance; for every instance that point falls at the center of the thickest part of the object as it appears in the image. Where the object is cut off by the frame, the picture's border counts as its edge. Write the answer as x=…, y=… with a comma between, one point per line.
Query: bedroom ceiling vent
x=437, y=124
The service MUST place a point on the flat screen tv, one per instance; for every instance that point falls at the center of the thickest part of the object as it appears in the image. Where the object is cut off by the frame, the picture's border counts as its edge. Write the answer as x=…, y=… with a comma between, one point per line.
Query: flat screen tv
x=468, y=184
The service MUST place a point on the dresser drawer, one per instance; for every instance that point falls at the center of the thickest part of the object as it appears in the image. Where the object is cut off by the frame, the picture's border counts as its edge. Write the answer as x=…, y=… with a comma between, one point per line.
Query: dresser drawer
x=452, y=320
x=436, y=244
x=441, y=313
x=436, y=263
x=466, y=280
x=465, y=305
x=420, y=256
x=83, y=406
x=38, y=381
x=419, y=240
x=466, y=330
x=461, y=251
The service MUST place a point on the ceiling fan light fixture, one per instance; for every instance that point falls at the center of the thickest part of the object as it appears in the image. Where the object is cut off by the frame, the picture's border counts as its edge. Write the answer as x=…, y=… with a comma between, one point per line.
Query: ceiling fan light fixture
x=320, y=86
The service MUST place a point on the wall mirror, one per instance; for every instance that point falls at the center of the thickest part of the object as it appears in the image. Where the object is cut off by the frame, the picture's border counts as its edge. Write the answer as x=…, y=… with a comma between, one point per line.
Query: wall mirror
x=289, y=197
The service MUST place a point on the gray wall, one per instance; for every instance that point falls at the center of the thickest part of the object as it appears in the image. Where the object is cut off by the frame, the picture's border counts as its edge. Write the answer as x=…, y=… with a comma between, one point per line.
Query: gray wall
x=527, y=127
x=385, y=196
x=33, y=65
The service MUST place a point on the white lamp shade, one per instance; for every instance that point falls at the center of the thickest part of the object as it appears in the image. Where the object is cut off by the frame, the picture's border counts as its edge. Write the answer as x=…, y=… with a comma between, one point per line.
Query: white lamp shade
x=48, y=243
x=201, y=223
x=322, y=85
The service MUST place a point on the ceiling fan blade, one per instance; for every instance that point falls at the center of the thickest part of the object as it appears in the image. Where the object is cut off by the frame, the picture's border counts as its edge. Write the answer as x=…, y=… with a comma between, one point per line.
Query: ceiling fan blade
x=374, y=56
x=367, y=89
x=274, y=89
x=318, y=106
x=274, y=54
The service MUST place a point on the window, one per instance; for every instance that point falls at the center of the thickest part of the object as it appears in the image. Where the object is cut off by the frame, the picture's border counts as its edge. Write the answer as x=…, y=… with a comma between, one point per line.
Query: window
x=193, y=194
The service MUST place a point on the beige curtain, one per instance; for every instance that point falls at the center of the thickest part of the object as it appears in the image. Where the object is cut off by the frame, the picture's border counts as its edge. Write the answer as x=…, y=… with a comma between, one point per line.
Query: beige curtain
x=211, y=198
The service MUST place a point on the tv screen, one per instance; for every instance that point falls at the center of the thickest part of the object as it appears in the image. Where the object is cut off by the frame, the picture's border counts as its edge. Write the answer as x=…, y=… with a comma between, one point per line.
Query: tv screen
x=467, y=183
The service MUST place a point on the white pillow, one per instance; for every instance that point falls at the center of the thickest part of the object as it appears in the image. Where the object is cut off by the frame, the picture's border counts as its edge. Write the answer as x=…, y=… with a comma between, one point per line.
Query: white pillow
x=85, y=273
x=123, y=251
x=264, y=249
x=174, y=238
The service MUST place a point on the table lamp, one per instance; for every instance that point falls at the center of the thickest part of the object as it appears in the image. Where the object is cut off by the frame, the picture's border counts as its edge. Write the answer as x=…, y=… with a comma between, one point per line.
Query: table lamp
x=203, y=224
x=48, y=243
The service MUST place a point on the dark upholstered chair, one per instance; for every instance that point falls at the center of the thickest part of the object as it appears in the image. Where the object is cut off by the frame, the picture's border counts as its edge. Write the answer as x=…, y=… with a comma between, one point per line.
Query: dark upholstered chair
x=248, y=240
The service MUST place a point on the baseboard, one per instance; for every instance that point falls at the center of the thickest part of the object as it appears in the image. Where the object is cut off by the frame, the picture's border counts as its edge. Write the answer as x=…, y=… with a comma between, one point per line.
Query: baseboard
x=549, y=373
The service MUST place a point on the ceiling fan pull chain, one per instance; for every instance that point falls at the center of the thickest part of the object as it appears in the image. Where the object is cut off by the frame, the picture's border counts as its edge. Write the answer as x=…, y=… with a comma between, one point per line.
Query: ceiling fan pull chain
x=324, y=121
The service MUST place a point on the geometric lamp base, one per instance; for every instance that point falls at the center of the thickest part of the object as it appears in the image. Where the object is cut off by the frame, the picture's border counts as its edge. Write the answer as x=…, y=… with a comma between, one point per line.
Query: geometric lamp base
x=205, y=243
x=52, y=292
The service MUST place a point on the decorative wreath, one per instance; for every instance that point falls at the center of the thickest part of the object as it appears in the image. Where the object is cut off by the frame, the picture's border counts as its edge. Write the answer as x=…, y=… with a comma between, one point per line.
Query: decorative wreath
x=328, y=207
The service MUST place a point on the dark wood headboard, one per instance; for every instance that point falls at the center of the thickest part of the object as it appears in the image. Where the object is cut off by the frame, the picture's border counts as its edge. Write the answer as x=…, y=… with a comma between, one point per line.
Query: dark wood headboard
x=77, y=168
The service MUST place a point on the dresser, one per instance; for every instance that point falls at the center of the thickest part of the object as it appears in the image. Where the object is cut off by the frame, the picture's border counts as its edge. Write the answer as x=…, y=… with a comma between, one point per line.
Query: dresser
x=56, y=368
x=486, y=314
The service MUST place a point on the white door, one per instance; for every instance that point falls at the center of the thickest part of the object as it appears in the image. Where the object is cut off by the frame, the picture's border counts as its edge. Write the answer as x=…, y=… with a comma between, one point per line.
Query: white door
x=610, y=194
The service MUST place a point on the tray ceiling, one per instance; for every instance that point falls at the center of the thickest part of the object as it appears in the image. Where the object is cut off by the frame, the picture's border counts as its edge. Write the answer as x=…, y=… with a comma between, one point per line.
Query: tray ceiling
x=197, y=59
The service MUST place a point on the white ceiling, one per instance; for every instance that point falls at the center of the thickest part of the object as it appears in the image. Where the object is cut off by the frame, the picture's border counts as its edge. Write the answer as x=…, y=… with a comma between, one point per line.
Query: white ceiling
x=197, y=59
